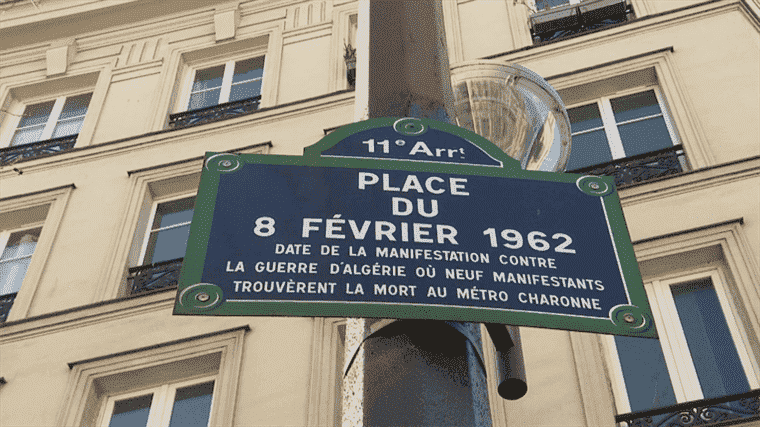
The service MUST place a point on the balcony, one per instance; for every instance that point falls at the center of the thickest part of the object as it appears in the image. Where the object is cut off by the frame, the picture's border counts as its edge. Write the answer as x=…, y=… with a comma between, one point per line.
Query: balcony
x=10, y=155
x=6, y=302
x=721, y=411
x=214, y=113
x=641, y=168
x=155, y=276
x=557, y=19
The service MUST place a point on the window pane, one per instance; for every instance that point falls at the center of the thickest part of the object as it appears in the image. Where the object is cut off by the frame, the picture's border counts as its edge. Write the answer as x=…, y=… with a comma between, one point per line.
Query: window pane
x=174, y=212
x=21, y=243
x=248, y=69
x=713, y=351
x=36, y=114
x=167, y=244
x=68, y=127
x=208, y=78
x=12, y=274
x=545, y=4
x=635, y=106
x=245, y=90
x=204, y=99
x=589, y=149
x=15, y=259
x=131, y=412
x=192, y=406
x=646, y=376
x=27, y=135
x=644, y=136
x=585, y=118
x=75, y=106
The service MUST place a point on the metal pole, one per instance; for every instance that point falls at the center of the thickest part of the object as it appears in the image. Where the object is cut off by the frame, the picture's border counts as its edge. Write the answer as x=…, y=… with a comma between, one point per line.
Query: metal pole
x=414, y=372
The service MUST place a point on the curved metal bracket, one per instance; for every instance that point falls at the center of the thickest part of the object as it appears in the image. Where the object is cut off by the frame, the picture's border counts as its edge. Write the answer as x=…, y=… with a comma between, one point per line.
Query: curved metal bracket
x=468, y=330
x=510, y=366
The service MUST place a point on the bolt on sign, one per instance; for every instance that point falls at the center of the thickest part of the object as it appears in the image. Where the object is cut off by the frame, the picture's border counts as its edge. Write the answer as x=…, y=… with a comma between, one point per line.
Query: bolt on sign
x=410, y=219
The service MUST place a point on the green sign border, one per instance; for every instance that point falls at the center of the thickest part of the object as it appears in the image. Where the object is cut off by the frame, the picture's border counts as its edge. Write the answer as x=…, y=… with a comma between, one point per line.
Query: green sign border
x=635, y=320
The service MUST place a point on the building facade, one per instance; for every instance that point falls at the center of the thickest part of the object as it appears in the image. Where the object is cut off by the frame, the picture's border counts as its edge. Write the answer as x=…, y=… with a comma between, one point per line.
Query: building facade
x=109, y=106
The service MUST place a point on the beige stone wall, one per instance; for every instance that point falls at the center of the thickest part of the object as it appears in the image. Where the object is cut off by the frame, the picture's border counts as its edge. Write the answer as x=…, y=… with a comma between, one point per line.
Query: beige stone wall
x=273, y=383
x=135, y=57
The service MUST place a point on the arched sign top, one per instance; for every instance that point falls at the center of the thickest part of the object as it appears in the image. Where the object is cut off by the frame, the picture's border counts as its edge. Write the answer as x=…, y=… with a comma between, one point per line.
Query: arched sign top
x=411, y=139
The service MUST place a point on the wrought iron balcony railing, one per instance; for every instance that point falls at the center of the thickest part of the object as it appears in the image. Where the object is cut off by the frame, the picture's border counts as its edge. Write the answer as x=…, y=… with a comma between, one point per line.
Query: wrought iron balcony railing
x=214, y=113
x=641, y=168
x=6, y=302
x=556, y=19
x=48, y=147
x=720, y=411
x=155, y=276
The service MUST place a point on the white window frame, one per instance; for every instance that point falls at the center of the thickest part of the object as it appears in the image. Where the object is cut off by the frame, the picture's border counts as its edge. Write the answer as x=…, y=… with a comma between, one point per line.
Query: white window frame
x=675, y=349
x=152, y=217
x=6, y=234
x=52, y=120
x=162, y=402
x=610, y=126
x=229, y=71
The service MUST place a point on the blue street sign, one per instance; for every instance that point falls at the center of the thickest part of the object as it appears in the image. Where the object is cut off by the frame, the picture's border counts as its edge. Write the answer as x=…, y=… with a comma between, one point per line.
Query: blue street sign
x=458, y=233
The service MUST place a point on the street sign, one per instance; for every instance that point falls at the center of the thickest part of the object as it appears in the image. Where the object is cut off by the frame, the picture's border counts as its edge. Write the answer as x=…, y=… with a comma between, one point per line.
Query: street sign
x=410, y=219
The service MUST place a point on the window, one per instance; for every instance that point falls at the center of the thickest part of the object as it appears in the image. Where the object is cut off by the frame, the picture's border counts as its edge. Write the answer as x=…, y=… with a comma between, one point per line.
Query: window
x=28, y=226
x=635, y=127
x=342, y=55
x=349, y=55
x=702, y=352
x=236, y=86
x=188, y=382
x=186, y=404
x=166, y=238
x=229, y=82
x=163, y=246
x=49, y=115
x=18, y=248
x=15, y=255
x=57, y=118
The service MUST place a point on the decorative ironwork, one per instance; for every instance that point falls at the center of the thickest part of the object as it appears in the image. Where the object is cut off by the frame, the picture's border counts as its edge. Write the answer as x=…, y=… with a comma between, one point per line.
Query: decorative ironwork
x=641, y=168
x=719, y=411
x=214, y=113
x=580, y=28
x=154, y=276
x=6, y=302
x=553, y=23
x=48, y=147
